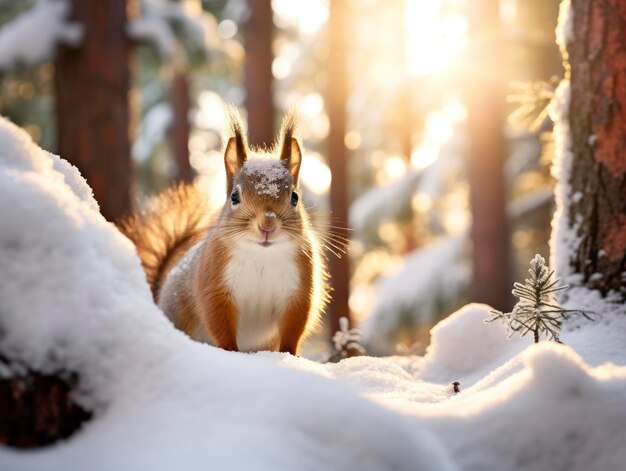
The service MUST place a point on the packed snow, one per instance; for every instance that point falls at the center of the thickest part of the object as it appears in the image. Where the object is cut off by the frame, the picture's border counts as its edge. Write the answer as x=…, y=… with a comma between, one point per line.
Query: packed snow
x=20, y=44
x=73, y=297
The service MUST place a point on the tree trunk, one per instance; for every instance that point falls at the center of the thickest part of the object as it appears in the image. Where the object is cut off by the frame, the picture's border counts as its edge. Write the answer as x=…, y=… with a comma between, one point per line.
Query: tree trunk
x=92, y=84
x=258, y=66
x=484, y=97
x=596, y=207
x=337, y=91
x=180, y=100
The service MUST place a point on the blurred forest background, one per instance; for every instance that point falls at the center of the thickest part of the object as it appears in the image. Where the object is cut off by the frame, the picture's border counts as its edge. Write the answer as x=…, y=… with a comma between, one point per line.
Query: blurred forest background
x=423, y=123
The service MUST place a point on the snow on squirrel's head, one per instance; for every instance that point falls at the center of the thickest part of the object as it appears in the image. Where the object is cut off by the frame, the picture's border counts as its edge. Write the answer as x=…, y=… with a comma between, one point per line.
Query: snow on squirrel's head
x=262, y=184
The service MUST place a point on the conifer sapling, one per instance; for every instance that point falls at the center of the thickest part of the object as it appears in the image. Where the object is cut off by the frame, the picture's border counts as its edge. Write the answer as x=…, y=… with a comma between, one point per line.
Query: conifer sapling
x=347, y=342
x=537, y=310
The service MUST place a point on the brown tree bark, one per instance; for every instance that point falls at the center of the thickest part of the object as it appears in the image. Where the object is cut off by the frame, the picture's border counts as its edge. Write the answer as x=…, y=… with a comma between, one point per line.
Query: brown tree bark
x=92, y=84
x=181, y=103
x=180, y=99
x=597, y=117
x=337, y=92
x=259, y=34
x=484, y=97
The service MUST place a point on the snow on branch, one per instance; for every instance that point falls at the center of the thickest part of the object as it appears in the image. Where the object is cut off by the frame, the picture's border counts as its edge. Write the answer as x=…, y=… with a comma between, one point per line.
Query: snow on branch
x=164, y=23
x=432, y=277
x=32, y=36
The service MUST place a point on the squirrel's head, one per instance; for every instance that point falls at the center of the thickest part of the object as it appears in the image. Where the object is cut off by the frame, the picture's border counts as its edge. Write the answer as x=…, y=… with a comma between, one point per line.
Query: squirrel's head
x=263, y=203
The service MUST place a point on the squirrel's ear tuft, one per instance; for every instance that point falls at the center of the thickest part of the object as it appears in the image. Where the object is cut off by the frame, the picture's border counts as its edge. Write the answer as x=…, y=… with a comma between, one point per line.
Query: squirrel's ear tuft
x=290, y=152
x=236, y=150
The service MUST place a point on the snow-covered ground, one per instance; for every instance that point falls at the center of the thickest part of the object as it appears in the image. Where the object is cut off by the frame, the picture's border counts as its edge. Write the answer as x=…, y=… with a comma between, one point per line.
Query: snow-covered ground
x=73, y=296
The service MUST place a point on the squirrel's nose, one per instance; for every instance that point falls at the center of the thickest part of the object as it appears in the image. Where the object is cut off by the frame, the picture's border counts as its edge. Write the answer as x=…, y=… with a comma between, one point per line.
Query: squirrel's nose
x=267, y=229
x=268, y=224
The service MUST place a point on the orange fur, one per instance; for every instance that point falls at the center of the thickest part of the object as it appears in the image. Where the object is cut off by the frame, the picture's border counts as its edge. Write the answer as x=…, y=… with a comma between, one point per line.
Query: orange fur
x=297, y=313
x=215, y=304
x=165, y=229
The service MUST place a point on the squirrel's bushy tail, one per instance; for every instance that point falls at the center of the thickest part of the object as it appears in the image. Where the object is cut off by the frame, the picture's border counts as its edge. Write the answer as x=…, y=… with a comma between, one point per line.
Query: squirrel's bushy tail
x=165, y=229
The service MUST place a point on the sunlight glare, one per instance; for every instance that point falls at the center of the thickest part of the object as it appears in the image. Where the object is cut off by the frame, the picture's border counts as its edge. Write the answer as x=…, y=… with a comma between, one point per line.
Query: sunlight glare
x=456, y=220
x=432, y=39
x=281, y=68
x=227, y=29
x=315, y=174
x=389, y=232
x=421, y=202
x=454, y=109
x=211, y=113
x=214, y=188
x=395, y=167
x=308, y=15
x=211, y=176
x=362, y=298
x=352, y=140
x=312, y=105
x=423, y=156
x=438, y=129
x=508, y=10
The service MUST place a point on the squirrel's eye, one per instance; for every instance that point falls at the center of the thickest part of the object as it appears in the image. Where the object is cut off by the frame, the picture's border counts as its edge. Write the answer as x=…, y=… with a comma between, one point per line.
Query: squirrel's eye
x=294, y=198
x=234, y=197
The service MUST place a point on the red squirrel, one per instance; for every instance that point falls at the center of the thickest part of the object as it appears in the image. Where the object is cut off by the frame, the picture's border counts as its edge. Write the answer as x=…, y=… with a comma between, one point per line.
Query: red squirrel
x=255, y=277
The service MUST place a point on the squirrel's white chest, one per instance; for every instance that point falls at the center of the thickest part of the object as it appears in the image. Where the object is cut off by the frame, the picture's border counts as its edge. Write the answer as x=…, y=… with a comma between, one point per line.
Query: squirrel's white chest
x=261, y=280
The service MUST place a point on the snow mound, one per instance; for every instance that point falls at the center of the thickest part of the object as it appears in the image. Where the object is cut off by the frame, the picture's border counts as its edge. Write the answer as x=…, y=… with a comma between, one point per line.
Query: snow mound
x=556, y=413
x=75, y=181
x=465, y=348
x=19, y=152
x=74, y=297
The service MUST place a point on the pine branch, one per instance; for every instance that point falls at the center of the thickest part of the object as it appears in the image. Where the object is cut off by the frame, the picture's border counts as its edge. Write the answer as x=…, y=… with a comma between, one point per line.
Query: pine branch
x=537, y=310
